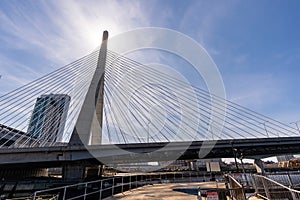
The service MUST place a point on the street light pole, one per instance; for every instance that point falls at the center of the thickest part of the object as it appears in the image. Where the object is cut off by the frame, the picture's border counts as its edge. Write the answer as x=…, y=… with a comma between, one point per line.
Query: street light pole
x=296, y=123
x=264, y=123
x=148, y=136
x=149, y=122
x=241, y=156
x=234, y=150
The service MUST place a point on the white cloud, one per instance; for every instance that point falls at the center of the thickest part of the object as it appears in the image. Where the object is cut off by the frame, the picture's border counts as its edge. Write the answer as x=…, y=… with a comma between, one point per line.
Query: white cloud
x=57, y=32
x=66, y=30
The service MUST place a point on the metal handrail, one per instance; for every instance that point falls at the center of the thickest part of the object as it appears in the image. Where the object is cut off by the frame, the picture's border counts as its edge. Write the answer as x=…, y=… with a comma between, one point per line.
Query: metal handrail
x=73, y=185
x=139, y=180
x=234, y=180
x=85, y=184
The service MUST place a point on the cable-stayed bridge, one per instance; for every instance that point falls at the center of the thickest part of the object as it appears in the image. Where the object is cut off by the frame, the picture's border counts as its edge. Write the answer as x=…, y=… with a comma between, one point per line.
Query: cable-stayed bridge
x=107, y=106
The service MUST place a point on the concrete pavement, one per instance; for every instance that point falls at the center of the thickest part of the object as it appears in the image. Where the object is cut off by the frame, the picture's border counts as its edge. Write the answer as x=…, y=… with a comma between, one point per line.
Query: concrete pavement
x=176, y=191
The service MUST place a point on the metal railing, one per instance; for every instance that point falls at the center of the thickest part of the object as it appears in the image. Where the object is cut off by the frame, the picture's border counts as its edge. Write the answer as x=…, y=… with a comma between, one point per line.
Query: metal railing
x=237, y=191
x=103, y=188
x=267, y=188
x=98, y=189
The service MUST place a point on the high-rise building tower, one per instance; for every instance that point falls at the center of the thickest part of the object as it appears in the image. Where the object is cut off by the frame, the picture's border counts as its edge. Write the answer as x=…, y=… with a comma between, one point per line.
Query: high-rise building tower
x=49, y=117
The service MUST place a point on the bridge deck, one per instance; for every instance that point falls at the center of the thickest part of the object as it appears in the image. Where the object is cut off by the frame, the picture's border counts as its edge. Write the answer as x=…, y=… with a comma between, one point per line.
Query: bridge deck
x=250, y=148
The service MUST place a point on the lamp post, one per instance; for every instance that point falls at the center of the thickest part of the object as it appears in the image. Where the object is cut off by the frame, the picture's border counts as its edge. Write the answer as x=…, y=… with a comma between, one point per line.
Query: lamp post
x=265, y=127
x=148, y=136
x=296, y=123
x=234, y=150
x=241, y=156
x=148, y=124
x=211, y=130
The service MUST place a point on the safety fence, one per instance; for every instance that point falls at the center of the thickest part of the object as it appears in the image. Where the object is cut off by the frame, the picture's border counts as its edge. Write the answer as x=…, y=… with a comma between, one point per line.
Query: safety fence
x=267, y=188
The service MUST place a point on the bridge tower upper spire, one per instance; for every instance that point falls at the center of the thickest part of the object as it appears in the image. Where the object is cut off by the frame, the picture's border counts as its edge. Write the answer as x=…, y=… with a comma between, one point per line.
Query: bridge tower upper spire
x=88, y=128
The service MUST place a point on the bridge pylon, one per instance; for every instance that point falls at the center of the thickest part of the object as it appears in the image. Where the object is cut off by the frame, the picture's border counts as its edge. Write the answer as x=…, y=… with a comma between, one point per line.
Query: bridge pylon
x=88, y=128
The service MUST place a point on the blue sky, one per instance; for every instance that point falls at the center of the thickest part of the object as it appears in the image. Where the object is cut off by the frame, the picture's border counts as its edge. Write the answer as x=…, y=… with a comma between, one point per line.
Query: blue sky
x=255, y=43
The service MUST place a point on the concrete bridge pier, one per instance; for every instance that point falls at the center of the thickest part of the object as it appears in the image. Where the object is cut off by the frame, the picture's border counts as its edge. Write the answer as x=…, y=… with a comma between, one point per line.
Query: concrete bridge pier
x=78, y=171
x=259, y=165
x=73, y=171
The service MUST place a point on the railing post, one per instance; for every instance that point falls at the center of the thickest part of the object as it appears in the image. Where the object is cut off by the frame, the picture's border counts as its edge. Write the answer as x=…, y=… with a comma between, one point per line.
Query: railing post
x=113, y=187
x=293, y=195
x=100, y=191
x=142, y=179
x=290, y=180
x=129, y=182
x=65, y=191
x=34, y=196
x=244, y=192
x=136, y=179
x=174, y=177
x=122, y=184
x=85, y=189
x=255, y=183
x=265, y=185
x=160, y=177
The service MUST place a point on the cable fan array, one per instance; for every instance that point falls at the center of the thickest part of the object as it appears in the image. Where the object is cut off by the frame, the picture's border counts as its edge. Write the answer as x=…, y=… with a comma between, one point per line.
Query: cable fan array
x=142, y=104
x=149, y=104
x=44, y=112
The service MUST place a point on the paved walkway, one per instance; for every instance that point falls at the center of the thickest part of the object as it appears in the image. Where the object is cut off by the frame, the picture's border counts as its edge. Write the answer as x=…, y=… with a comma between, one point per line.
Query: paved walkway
x=164, y=191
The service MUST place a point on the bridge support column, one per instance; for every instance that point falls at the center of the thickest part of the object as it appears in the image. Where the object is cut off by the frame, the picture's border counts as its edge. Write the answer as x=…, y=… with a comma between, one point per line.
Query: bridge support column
x=74, y=172
x=259, y=166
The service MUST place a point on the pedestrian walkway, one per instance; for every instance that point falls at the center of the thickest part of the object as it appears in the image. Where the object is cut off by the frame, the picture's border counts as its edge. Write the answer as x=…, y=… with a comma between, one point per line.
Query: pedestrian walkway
x=176, y=191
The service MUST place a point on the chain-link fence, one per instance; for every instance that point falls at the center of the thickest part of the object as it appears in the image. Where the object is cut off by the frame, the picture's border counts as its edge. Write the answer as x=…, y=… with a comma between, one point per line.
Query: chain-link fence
x=291, y=179
x=267, y=188
x=237, y=191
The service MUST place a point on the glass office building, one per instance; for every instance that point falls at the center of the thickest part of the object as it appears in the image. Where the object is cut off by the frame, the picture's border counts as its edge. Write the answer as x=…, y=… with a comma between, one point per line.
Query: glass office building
x=49, y=117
